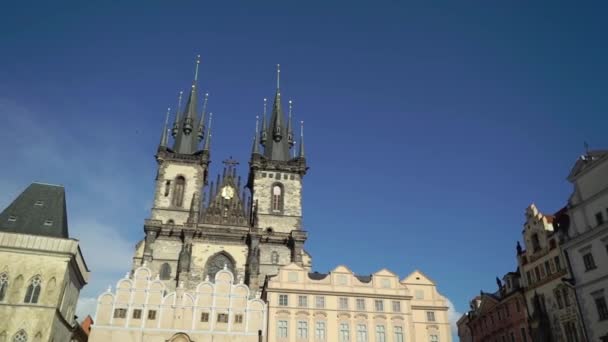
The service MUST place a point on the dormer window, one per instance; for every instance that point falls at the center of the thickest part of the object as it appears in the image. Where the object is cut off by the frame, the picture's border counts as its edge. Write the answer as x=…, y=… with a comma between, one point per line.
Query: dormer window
x=12, y=218
x=39, y=203
x=48, y=222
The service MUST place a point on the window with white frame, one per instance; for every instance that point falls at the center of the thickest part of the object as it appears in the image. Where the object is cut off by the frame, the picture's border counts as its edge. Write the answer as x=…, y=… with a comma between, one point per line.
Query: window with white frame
x=320, y=331
x=303, y=301
x=380, y=333
x=283, y=300
x=302, y=329
x=282, y=329
x=379, y=305
x=589, y=261
x=344, y=332
x=360, y=304
x=320, y=302
x=398, y=334
x=361, y=333
x=396, y=306
x=343, y=303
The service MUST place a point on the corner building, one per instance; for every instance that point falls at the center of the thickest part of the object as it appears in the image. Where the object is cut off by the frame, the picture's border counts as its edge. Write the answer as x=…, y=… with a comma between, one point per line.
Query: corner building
x=342, y=306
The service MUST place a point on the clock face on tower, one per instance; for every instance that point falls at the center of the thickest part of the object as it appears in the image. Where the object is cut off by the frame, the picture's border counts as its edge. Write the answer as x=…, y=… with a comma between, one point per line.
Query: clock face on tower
x=227, y=192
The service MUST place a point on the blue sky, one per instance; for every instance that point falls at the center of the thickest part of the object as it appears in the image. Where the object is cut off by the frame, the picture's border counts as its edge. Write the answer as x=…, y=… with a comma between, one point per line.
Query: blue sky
x=430, y=126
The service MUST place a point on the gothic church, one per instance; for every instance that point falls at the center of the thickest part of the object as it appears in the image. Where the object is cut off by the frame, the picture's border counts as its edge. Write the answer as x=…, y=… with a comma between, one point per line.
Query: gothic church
x=198, y=227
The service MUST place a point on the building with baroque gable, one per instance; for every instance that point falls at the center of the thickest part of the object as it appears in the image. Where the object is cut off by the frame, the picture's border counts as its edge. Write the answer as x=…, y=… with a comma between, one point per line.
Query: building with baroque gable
x=584, y=229
x=342, y=306
x=42, y=269
x=552, y=305
x=143, y=309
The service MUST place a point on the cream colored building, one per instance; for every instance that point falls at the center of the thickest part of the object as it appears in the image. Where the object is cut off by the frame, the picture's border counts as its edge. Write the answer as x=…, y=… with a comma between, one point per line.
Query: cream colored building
x=41, y=269
x=142, y=309
x=341, y=306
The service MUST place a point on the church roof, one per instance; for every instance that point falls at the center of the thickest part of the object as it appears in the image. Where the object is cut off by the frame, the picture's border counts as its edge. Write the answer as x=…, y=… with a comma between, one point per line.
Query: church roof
x=39, y=210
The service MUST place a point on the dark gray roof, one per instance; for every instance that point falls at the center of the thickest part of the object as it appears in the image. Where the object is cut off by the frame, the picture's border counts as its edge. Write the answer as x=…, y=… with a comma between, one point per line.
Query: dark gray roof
x=317, y=276
x=277, y=145
x=364, y=279
x=39, y=210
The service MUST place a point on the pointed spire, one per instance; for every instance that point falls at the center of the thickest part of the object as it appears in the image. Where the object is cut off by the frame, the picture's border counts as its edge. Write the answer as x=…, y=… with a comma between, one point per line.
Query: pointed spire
x=208, y=139
x=263, y=134
x=198, y=61
x=289, y=127
x=190, y=113
x=201, y=121
x=179, y=107
x=163, y=137
x=278, y=78
x=255, y=149
x=302, y=139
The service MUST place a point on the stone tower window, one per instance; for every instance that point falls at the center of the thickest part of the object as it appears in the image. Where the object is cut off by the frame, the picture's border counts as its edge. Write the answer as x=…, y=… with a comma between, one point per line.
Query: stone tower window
x=178, y=193
x=274, y=258
x=20, y=336
x=3, y=285
x=165, y=271
x=33, y=291
x=217, y=263
x=167, y=187
x=277, y=198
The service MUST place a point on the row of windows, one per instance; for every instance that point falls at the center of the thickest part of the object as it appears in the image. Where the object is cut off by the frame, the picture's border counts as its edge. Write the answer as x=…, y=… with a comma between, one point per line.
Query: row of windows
x=278, y=175
x=343, y=303
x=221, y=317
x=544, y=270
x=32, y=293
x=511, y=335
x=344, y=333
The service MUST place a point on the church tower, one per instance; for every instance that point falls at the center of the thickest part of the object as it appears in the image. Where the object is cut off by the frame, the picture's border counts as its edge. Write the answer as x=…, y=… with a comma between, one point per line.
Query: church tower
x=275, y=182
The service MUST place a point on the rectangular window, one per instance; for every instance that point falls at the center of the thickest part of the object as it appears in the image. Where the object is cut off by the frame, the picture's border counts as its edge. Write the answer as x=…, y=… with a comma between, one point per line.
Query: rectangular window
x=151, y=315
x=529, y=277
x=419, y=294
x=517, y=306
x=303, y=301
x=589, y=262
x=398, y=334
x=566, y=297
x=558, y=266
x=602, y=309
x=282, y=329
x=222, y=318
x=379, y=305
x=524, y=336
x=283, y=300
x=599, y=218
x=537, y=273
x=302, y=331
x=430, y=316
x=535, y=243
x=344, y=332
x=120, y=313
x=360, y=304
x=320, y=302
x=396, y=306
x=507, y=310
x=320, y=331
x=380, y=333
x=512, y=337
x=558, y=298
x=434, y=338
x=204, y=317
x=238, y=319
x=343, y=303
x=547, y=267
x=137, y=314
x=361, y=333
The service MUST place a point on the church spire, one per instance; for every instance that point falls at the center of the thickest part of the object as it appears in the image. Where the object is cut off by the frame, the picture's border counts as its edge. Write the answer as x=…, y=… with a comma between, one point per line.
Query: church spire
x=163, y=136
x=256, y=149
x=179, y=107
x=190, y=113
x=290, y=139
x=301, y=154
x=185, y=142
x=263, y=134
x=208, y=139
x=201, y=121
x=277, y=148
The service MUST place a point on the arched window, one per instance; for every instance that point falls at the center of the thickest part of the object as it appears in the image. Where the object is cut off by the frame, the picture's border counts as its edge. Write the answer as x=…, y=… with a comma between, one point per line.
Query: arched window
x=20, y=336
x=165, y=271
x=277, y=198
x=167, y=187
x=217, y=263
x=274, y=258
x=33, y=291
x=3, y=285
x=178, y=193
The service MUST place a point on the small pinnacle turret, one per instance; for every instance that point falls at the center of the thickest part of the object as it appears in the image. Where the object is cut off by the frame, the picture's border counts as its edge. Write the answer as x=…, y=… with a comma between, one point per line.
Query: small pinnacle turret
x=256, y=149
x=201, y=121
x=164, y=136
x=176, y=122
x=301, y=154
x=208, y=139
x=263, y=134
x=290, y=139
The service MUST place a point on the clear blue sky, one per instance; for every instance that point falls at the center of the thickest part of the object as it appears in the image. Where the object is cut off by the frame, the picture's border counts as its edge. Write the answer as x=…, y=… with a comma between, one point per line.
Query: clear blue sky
x=430, y=127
